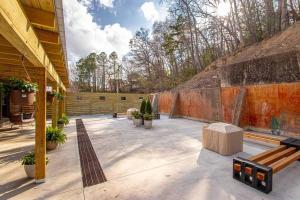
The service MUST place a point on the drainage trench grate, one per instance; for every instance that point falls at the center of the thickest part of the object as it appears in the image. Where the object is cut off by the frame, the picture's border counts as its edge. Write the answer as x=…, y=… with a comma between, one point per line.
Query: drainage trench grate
x=92, y=172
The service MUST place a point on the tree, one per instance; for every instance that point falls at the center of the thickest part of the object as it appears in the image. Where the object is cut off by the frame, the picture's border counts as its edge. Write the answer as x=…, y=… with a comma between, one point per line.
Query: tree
x=103, y=62
x=148, y=107
x=143, y=107
x=193, y=36
x=114, y=65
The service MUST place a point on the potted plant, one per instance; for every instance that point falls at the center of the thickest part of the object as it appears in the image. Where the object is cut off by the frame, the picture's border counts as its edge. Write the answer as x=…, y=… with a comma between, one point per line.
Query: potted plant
x=60, y=123
x=148, y=107
x=50, y=95
x=142, y=110
x=59, y=96
x=137, y=120
x=148, y=121
x=21, y=91
x=29, y=164
x=65, y=118
x=54, y=136
x=275, y=126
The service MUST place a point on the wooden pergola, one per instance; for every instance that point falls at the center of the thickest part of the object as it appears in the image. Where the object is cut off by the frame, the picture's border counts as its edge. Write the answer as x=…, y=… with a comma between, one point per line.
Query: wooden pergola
x=32, y=46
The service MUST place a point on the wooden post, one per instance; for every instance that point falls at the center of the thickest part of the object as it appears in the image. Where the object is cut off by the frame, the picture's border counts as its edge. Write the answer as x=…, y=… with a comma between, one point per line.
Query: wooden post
x=54, y=106
x=40, y=129
x=61, y=102
x=64, y=102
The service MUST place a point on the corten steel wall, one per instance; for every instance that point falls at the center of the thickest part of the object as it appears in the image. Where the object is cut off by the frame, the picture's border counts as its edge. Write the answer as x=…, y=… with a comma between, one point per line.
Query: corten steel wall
x=263, y=102
x=84, y=103
x=164, y=102
x=201, y=104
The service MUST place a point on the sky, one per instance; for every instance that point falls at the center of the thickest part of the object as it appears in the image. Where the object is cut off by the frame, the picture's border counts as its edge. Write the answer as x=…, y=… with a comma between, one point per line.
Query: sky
x=106, y=25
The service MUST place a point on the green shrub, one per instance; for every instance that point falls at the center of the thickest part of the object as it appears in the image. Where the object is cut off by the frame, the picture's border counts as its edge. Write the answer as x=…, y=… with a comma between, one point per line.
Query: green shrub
x=28, y=159
x=60, y=121
x=136, y=115
x=59, y=96
x=148, y=108
x=18, y=84
x=274, y=123
x=55, y=94
x=55, y=135
x=65, y=118
x=147, y=116
x=143, y=107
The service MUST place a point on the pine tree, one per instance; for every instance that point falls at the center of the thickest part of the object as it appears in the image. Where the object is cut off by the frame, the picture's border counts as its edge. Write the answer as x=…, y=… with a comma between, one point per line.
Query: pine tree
x=143, y=106
x=148, y=107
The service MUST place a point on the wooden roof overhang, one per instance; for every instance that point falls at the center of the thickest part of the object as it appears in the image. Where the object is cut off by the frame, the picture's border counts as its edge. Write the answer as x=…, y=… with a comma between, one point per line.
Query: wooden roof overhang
x=32, y=37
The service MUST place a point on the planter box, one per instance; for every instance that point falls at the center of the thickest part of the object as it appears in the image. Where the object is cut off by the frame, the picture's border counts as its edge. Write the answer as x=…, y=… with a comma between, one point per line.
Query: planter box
x=137, y=122
x=148, y=124
x=29, y=169
x=51, y=145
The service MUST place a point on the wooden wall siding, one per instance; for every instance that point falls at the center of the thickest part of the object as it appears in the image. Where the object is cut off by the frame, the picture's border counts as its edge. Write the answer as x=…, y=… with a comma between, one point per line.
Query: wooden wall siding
x=261, y=103
x=89, y=103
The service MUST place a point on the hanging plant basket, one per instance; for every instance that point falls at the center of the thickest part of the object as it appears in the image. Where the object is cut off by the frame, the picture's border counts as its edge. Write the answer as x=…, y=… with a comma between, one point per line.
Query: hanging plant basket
x=28, y=98
x=16, y=97
x=50, y=97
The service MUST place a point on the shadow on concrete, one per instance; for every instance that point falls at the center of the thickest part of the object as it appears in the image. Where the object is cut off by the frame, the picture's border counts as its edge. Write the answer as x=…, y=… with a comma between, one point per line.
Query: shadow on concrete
x=15, y=154
x=16, y=187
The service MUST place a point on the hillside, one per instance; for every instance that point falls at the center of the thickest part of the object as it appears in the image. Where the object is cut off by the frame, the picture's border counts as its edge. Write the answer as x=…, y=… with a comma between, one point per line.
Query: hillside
x=282, y=43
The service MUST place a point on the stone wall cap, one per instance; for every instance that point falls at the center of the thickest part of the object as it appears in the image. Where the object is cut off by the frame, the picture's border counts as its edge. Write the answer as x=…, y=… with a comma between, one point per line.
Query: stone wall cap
x=224, y=127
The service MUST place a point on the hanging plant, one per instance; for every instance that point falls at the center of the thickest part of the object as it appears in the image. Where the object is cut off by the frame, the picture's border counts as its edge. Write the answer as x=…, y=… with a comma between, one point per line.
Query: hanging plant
x=18, y=84
x=59, y=96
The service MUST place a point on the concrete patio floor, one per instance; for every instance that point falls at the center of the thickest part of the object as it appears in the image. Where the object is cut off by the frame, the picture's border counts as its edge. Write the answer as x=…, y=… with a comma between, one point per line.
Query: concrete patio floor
x=167, y=162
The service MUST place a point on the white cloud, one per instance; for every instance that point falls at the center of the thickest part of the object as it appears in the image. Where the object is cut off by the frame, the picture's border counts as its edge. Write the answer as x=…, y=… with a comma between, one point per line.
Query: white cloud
x=104, y=3
x=152, y=14
x=107, y=3
x=85, y=36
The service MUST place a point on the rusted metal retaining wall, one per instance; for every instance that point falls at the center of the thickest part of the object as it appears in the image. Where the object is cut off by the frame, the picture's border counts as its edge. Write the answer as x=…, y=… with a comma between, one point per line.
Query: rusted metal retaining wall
x=262, y=102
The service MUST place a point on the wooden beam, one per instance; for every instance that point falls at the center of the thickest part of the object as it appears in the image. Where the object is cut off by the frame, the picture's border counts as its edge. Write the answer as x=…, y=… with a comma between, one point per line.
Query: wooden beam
x=4, y=61
x=40, y=17
x=52, y=48
x=4, y=42
x=278, y=156
x=59, y=63
x=40, y=130
x=10, y=56
x=285, y=162
x=47, y=36
x=17, y=30
x=54, y=106
x=55, y=57
x=9, y=50
x=266, y=154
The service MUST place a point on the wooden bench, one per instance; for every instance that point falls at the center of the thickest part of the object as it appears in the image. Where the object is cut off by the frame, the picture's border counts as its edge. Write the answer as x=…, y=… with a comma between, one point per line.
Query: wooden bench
x=257, y=171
